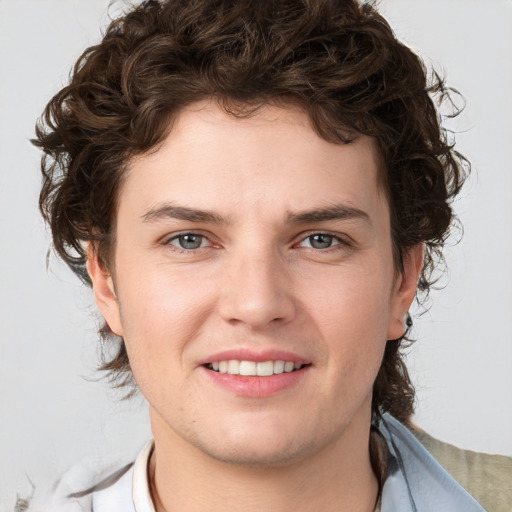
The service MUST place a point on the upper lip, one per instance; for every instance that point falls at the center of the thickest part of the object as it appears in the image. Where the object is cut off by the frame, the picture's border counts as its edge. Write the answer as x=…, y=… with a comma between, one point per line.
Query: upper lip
x=258, y=356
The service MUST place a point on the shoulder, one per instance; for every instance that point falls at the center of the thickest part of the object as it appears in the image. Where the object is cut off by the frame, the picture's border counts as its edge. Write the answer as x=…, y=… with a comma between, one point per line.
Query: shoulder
x=429, y=474
x=85, y=489
x=486, y=477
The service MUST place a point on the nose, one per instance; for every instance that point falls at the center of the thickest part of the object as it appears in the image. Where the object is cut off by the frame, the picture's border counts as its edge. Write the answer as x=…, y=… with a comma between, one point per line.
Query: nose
x=257, y=291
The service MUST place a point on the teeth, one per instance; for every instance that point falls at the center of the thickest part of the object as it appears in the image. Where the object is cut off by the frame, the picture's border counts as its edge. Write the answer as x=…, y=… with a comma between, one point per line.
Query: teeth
x=265, y=369
x=245, y=367
x=289, y=367
x=278, y=366
x=251, y=368
x=234, y=367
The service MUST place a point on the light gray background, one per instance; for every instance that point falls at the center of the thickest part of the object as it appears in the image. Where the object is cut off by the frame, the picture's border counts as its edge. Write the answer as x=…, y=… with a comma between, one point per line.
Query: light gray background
x=52, y=414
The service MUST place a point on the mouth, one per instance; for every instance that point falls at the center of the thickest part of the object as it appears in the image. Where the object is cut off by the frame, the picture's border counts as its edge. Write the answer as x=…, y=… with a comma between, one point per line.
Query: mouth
x=254, y=369
x=247, y=374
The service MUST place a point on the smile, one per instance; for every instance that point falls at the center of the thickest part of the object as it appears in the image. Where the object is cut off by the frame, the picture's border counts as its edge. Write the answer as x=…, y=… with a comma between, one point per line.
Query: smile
x=253, y=368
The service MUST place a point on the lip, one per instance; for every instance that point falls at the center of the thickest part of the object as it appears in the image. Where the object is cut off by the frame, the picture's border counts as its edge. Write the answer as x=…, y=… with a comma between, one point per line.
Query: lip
x=258, y=356
x=256, y=387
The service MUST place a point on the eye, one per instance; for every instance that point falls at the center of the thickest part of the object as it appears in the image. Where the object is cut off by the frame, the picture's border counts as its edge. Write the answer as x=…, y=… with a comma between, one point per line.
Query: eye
x=320, y=241
x=189, y=241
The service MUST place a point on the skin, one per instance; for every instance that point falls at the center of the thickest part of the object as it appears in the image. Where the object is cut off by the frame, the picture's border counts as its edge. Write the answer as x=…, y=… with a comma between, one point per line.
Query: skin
x=259, y=280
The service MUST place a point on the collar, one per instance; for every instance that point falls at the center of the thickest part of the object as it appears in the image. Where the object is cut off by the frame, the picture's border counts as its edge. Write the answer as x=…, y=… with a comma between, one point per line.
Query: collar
x=416, y=481
x=140, y=482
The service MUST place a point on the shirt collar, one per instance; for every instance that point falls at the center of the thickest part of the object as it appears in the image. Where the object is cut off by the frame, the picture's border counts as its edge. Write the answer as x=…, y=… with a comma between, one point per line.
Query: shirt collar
x=415, y=479
x=140, y=483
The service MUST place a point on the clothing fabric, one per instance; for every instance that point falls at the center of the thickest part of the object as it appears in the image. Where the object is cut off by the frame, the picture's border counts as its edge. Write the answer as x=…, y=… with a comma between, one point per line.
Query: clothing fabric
x=486, y=477
x=416, y=481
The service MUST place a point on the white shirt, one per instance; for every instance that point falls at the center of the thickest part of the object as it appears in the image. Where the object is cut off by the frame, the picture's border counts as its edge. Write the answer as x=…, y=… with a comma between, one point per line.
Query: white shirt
x=131, y=492
x=416, y=482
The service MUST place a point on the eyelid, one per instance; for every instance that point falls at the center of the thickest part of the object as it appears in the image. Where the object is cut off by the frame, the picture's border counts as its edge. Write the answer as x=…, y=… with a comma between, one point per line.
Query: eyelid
x=343, y=239
x=168, y=238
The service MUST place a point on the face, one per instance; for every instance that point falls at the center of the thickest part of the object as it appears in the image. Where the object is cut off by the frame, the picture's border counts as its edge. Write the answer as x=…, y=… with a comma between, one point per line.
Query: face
x=248, y=248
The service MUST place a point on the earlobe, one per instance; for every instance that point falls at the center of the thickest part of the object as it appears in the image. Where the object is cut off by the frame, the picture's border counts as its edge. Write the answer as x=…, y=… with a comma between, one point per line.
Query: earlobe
x=405, y=291
x=104, y=291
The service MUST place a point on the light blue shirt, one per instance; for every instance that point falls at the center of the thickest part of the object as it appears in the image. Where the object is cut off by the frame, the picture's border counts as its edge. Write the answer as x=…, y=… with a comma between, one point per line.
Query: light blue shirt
x=416, y=482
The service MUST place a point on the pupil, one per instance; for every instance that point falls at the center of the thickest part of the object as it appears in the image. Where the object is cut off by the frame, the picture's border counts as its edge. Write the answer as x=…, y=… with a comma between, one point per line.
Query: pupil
x=190, y=241
x=320, y=241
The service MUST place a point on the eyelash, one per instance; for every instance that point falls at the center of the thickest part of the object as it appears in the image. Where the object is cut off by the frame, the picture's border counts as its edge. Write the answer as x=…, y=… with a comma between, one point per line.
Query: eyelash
x=183, y=234
x=341, y=242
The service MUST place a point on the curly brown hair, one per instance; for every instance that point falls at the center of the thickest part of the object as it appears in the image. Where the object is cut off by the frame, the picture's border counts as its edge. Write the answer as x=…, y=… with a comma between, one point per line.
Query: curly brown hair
x=337, y=59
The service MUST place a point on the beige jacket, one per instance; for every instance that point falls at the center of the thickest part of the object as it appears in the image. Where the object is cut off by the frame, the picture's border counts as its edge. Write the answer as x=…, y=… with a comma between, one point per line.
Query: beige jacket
x=488, y=478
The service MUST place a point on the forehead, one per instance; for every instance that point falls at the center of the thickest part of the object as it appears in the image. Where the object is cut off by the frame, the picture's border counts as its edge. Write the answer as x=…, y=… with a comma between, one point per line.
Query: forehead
x=270, y=159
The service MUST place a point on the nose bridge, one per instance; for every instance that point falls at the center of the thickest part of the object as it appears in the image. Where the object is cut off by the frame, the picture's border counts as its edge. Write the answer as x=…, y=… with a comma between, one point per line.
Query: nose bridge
x=256, y=288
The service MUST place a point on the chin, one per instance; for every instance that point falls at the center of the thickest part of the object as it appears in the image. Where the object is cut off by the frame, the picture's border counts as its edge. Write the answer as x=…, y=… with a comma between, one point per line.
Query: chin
x=257, y=456
x=262, y=443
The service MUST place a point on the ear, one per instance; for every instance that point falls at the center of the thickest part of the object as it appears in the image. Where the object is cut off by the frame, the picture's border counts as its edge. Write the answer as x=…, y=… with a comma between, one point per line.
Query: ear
x=104, y=291
x=405, y=291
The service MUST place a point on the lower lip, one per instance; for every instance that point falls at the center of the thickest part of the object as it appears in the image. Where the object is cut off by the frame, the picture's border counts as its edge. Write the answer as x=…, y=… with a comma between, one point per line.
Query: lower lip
x=256, y=387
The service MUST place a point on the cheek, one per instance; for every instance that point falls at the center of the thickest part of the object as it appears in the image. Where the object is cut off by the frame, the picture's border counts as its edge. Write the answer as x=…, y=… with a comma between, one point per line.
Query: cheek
x=352, y=317
x=356, y=301
x=161, y=312
x=160, y=295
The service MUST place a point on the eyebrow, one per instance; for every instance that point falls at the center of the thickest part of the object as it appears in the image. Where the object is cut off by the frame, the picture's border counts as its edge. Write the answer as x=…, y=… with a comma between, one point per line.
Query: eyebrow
x=335, y=212
x=169, y=211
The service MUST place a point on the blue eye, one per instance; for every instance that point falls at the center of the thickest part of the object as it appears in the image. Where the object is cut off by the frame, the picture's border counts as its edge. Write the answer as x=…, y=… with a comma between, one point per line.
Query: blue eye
x=189, y=241
x=320, y=241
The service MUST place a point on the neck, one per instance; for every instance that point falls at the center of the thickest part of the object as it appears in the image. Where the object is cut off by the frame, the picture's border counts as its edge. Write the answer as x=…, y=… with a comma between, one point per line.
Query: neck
x=339, y=477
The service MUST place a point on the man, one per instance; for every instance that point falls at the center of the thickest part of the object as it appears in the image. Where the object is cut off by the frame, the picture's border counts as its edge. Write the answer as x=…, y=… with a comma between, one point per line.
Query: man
x=256, y=192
